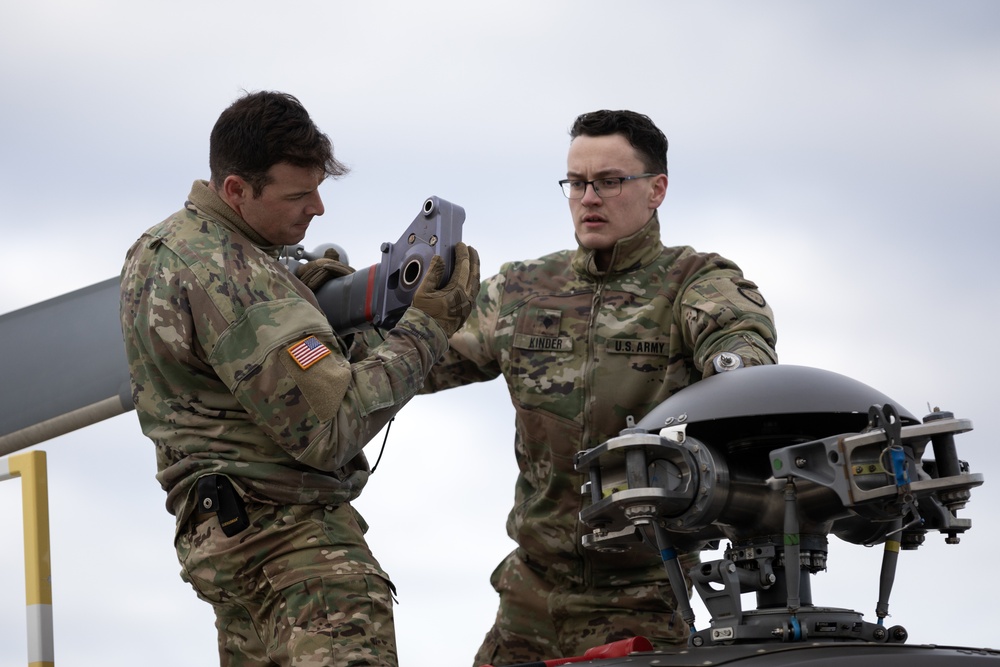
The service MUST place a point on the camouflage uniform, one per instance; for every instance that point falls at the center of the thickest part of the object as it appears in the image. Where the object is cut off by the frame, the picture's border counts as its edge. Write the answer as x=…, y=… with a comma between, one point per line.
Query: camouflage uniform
x=581, y=350
x=211, y=319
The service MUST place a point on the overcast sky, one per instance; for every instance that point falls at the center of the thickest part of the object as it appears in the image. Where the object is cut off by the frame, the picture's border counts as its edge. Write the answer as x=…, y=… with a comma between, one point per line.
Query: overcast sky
x=844, y=153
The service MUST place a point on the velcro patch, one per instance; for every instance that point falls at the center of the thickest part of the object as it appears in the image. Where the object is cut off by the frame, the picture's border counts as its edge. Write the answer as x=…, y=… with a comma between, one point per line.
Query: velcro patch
x=751, y=294
x=308, y=351
x=547, y=322
x=547, y=343
x=634, y=346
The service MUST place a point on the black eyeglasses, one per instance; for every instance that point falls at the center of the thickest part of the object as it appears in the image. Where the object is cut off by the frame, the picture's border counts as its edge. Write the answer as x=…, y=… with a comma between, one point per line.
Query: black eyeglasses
x=609, y=186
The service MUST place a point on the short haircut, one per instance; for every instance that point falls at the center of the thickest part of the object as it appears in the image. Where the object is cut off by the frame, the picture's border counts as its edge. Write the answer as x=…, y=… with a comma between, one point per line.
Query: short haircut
x=639, y=130
x=262, y=129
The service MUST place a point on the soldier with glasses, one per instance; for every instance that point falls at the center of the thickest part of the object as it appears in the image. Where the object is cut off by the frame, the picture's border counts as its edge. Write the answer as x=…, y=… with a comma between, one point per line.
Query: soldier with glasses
x=584, y=338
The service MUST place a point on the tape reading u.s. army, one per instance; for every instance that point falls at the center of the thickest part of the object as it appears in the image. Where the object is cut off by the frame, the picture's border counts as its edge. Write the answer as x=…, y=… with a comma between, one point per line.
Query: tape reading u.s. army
x=655, y=346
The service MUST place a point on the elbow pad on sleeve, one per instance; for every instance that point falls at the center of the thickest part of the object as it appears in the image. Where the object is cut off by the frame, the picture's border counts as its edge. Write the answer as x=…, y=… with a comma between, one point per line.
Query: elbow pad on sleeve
x=372, y=386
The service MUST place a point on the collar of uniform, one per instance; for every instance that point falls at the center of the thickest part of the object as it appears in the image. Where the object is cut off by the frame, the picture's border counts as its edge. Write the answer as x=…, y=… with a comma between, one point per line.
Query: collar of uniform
x=206, y=199
x=629, y=253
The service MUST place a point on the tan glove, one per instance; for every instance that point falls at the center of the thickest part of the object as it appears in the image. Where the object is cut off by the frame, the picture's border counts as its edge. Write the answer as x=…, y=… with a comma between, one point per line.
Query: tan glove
x=451, y=304
x=318, y=272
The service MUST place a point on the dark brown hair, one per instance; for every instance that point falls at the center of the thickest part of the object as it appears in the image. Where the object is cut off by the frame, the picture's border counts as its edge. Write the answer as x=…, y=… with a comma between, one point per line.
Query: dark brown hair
x=261, y=129
x=639, y=130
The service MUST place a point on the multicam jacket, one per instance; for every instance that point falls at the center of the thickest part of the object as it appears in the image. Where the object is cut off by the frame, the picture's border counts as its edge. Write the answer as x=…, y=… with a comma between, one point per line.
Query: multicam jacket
x=583, y=349
x=235, y=369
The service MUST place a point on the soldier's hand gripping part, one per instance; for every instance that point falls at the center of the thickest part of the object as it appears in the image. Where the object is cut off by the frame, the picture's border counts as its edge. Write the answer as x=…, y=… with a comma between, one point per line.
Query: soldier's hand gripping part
x=316, y=272
x=450, y=304
x=376, y=296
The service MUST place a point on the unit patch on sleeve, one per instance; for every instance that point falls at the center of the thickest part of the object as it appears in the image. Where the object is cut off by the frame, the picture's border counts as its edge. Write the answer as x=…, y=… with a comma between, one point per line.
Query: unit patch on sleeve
x=308, y=351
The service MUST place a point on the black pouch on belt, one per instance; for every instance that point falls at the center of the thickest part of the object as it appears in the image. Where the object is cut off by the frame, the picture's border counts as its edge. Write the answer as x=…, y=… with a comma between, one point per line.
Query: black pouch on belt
x=216, y=494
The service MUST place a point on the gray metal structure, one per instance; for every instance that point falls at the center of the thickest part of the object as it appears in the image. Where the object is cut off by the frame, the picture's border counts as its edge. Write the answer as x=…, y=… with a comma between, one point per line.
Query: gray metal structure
x=63, y=366
x=774, y=459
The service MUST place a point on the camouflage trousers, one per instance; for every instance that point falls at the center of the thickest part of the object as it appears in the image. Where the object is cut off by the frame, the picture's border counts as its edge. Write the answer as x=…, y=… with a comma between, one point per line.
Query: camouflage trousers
x=542, y=618
x=298, y=587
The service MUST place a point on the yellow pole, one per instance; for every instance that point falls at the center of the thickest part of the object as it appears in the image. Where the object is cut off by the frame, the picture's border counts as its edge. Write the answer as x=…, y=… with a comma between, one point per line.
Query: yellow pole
x=30, y=467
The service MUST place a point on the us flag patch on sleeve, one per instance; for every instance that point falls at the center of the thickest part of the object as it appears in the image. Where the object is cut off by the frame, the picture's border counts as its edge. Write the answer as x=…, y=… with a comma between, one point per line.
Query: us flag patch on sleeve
x=307, y=352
